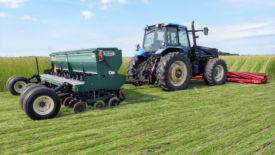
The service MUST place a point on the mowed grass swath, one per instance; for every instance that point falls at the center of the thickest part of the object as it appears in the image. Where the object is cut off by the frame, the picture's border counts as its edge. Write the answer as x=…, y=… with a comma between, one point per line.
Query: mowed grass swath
x=233, y=118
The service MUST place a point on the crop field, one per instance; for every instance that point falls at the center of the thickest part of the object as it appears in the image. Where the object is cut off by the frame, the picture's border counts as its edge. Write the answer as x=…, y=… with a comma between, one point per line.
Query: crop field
x=233, y=118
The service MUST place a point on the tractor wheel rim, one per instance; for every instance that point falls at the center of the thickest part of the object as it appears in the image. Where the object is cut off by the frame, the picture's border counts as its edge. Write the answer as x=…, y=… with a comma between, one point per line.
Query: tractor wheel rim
x=177, y=73
x=43, y=105
x=18, y=86
x=218, y=72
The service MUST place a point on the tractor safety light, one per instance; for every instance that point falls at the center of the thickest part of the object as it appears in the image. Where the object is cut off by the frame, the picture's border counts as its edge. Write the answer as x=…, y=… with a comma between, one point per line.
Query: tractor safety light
x=100, y=54
x=73, y=89
x=54, y=69
x=146, y=28
x=162, y=25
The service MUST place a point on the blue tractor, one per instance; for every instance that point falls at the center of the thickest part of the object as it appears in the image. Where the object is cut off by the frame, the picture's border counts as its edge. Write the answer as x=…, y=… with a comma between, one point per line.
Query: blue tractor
x=167, y=58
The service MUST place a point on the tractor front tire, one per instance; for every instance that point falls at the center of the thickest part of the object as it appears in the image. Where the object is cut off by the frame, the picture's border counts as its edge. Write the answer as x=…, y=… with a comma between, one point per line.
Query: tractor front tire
x=215, y=72
x=174, y=72
x=17, y=84
x=41, y=103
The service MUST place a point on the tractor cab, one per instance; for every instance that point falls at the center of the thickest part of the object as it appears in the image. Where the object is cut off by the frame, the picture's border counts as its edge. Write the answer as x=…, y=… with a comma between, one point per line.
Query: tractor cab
x=161, y=39
x=158, y=38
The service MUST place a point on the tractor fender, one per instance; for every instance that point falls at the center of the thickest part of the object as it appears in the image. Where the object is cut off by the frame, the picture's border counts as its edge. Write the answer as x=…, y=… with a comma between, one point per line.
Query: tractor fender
x=141, y=52
x=168, y=49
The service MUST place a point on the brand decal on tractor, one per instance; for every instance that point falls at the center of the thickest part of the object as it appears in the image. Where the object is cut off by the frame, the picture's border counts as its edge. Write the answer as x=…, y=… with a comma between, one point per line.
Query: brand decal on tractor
x=109, y=53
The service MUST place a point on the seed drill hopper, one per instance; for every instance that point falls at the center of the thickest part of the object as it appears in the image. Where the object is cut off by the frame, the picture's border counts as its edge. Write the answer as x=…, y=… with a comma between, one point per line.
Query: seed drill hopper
x=76, y=79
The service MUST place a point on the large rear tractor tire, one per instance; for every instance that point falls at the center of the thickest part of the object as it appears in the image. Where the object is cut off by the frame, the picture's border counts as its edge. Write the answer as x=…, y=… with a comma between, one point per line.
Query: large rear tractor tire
x=16, y=84
x=215, y=72
x=174, y=72
x=133, y=67
x=41, y=103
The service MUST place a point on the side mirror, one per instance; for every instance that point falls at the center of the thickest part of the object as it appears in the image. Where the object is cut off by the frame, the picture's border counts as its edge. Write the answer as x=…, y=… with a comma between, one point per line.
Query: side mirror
x=137, y=46
x=205, y=31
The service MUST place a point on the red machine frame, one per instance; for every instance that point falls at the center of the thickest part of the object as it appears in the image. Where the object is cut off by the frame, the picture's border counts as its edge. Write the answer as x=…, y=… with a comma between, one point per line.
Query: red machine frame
x=243, y=77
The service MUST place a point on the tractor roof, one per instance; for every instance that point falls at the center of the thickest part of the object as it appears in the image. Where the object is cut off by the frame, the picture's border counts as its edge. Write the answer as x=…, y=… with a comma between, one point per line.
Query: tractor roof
x=167, y=24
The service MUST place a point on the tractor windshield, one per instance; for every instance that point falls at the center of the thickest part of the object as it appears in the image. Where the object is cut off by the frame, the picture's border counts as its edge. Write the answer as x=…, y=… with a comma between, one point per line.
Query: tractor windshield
x=153, y=38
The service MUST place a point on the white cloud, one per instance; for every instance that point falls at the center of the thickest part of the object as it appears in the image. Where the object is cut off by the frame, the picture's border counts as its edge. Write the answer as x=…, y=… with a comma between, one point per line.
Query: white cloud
x=219, y=33
x=2, y=14
x=106, y=1
x=87, y=14
x=22, y=31
x=269, y=46
x=104, y=7
x=145, y=1
x=27, y=17
x=122, y=1
x=12, y=3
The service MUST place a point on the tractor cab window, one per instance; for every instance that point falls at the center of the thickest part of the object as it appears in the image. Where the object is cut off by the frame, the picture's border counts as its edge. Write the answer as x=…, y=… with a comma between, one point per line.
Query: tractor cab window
x=153, y=38
x=172, y=36
x=183, y=39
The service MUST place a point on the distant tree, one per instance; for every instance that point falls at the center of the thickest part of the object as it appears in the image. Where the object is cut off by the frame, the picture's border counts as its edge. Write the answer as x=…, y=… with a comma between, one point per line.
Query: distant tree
x=226, y=53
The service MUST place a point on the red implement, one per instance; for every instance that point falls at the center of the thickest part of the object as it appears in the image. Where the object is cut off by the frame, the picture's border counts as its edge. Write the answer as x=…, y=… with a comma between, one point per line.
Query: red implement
x=243, y=77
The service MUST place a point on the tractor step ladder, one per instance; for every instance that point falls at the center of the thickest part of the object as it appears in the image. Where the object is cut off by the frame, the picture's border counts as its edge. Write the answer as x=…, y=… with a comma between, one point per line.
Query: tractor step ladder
x=243, y=77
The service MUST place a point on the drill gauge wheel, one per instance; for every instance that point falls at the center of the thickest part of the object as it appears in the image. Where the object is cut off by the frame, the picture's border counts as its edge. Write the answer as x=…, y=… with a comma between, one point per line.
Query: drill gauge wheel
x=41, y=103
x=99, y=104
x=114, y=101
x=17, y=84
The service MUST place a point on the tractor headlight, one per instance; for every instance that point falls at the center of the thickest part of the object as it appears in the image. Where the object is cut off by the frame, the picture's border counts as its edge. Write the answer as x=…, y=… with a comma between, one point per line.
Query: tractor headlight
x=163, y=43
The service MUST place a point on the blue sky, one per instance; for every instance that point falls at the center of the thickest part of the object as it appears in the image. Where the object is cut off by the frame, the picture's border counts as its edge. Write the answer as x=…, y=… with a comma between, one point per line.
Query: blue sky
x=30, y=27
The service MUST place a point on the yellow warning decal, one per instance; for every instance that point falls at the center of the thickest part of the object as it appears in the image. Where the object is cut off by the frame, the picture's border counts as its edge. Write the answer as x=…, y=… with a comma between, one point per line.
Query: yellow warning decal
x=256, y=82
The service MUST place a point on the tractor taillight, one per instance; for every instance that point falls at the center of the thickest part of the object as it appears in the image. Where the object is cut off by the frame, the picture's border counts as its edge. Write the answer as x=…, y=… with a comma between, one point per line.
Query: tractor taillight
x=146, y=28
x=100, y=54
x=54, y=69
x=162, y=25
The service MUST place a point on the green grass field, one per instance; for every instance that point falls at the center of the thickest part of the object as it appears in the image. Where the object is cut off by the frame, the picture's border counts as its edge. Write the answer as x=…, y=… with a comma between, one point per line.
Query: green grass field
x=233, y=118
